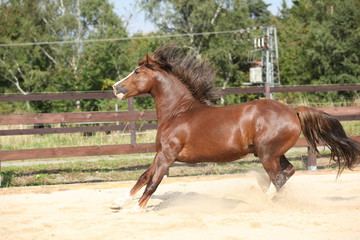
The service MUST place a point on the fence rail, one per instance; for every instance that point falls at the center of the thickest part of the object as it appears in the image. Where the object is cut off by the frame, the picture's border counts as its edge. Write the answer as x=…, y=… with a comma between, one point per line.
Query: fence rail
x=131, y=116
x=105, y=95
x=78, y=117
x=64, y=152
x=342, y=113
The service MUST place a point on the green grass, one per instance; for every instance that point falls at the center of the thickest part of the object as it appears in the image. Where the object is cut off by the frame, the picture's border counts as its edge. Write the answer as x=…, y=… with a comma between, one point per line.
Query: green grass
x=124, y=168
x=50, y=171
x=71, y=139
x=352, y=128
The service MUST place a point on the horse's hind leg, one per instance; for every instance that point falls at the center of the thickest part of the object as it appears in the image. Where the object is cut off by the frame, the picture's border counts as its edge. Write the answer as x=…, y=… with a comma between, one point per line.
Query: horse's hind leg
x=279, y=170
x=287, y=168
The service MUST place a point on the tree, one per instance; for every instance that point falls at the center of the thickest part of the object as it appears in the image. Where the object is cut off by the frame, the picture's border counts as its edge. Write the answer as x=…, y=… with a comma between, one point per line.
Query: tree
x=184, y=16
x=22, y=68
x=259, y=12
x=336, y=44
x=59, y=67
x=284, y=10
x=319, y=44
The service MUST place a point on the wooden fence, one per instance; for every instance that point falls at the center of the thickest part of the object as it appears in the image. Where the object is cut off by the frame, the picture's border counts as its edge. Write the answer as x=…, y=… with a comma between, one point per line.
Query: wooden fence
x=131, y=116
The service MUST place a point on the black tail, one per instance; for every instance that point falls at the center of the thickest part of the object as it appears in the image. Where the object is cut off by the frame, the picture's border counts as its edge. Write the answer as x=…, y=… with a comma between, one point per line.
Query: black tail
x=317, y=125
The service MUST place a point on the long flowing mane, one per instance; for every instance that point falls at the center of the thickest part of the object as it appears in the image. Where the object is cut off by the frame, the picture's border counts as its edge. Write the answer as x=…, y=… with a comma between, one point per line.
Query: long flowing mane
x=198, y=76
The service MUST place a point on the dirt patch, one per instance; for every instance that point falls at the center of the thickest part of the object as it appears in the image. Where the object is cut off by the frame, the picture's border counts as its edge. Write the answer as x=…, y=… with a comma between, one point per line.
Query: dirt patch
x=311, y=206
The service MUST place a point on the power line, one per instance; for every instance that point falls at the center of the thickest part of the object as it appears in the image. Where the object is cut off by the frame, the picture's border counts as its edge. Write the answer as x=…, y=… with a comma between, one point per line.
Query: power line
x=127, y=38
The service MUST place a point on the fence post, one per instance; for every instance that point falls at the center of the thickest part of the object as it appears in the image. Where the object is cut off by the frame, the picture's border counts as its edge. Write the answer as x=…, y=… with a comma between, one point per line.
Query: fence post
x=267, y=90
x=311, y=159
x=132, y=123
x=117, y=123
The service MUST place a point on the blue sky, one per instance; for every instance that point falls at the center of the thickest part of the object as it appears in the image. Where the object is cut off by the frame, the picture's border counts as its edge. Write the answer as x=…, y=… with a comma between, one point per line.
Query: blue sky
x=137, y=22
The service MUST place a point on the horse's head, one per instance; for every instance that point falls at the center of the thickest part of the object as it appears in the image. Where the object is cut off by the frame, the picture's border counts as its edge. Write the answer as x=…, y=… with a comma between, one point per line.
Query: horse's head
x=138, y=82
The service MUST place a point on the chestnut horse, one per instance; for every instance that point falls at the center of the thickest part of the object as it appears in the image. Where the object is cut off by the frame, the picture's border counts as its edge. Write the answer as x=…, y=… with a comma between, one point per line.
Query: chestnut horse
x=192, y=131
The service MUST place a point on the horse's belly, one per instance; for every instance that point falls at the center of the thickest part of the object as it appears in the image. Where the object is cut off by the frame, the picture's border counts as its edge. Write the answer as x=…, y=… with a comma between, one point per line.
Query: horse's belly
x=215, y=152
x=219, y=137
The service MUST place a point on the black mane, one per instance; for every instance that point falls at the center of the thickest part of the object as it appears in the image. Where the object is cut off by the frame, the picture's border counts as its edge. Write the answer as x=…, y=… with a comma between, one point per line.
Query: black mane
x=198, y=76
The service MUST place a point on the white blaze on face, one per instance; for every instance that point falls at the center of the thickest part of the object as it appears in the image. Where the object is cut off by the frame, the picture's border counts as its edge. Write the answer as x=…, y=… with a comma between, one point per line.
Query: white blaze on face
x=125, y=77
x=122, y=95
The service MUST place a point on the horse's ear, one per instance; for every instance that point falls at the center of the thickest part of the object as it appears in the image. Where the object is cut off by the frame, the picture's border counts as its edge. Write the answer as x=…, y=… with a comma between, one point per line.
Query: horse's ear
x=148, y=60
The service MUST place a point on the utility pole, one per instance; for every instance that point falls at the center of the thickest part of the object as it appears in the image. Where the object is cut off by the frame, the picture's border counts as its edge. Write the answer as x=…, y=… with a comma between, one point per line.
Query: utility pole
x=271, y=73
x=264, y=59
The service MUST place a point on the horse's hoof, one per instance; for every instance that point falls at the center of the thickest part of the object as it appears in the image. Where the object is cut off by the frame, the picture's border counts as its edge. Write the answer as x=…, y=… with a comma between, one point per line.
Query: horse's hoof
x=135, y=209
x=115, y=206
x=138, y=209
x=271, y=192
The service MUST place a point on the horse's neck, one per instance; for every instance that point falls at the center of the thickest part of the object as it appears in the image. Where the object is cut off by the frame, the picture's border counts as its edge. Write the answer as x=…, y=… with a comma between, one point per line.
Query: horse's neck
x=172, y=98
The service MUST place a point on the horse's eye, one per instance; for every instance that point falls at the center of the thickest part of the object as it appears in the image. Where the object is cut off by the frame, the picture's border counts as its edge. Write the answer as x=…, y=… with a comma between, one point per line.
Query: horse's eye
x=136, y=72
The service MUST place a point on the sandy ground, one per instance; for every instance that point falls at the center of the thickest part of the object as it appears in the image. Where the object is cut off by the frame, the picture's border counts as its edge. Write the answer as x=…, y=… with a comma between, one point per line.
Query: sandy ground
x=311, y=206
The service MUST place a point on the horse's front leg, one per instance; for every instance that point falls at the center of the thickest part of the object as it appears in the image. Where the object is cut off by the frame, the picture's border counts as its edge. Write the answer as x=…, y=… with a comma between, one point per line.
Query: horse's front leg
x=142, y=181
x=161, y=164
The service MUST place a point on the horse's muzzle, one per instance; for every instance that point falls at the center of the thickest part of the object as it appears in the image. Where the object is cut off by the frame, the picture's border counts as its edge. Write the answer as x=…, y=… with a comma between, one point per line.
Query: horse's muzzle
x=119, y=92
